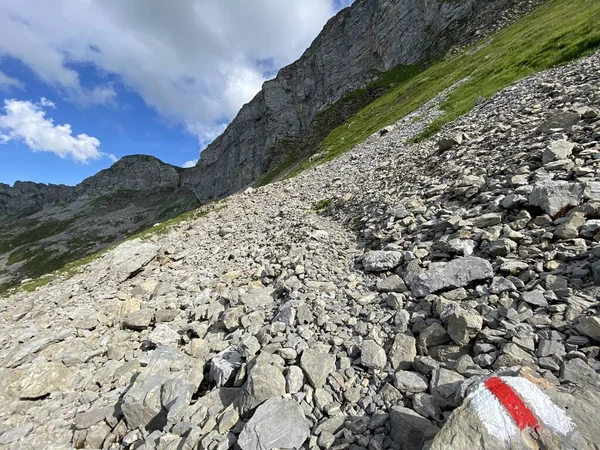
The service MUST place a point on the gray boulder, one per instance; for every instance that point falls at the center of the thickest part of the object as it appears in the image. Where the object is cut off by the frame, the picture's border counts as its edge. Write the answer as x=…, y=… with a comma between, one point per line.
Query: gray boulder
x=379, y=261
x=264, y=382
x=590, y=326
x=277, y=423
x=317, y=366
x=403, y=352
x=463, y=325
x=457, y=273
x=411, y=430
x=471, y=426
x=372, y=355
x=224, y=366
x=43, y=378
x=555, y=196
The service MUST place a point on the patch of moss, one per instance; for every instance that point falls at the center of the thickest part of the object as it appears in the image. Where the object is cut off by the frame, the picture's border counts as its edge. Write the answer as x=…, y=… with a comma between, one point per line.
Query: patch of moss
x=322, y=205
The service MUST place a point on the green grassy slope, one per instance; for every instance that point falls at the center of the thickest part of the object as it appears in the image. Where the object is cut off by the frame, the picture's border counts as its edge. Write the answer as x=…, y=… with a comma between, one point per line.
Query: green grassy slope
x=555, y=33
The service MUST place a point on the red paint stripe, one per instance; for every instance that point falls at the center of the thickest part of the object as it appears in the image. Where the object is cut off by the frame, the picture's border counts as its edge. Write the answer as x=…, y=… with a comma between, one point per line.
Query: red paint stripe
x=520, y=413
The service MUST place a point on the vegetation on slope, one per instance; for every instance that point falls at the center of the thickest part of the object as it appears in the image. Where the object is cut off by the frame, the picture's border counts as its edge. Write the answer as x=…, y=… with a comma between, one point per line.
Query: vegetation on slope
x=556, y=33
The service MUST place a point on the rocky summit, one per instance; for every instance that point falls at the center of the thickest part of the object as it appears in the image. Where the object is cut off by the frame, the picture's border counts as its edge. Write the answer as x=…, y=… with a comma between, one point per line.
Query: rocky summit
x=402, y=296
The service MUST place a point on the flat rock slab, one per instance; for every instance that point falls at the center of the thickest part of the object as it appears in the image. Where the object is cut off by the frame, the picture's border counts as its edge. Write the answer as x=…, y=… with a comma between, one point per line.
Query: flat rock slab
x=125, y=261
x=457, y=273
x=563, y=419
x=277, y=423
x=44, y=378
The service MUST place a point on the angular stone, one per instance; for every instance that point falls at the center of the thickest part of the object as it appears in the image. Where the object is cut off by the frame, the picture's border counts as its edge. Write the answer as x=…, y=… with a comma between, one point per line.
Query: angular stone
x=91, y=417
x=409, y=429
x=559, y=120
x=142, y=403
x=294, y=379
x=410, y=382
x=550, y=348
x=403, y=352
x=426, y=405
x=447, y=142
x=457, y=273
x=224, y=366
x=557, y=150
x=372, y=355
x=128, y=259
x=463, y=326
x=487, y=220
x=379, y=261
x=569, y=229
x=446, y=387
x=277, y=423
x=434, y=334
x=15, y=434
x=576, y=371
x=590, y=326
x=264, y=382
x=43, y=378
x=317, y=366
x=176, y=396
x=555, y=196
x=139, y=320
x=535, y=298
x=392, y=283
x=163, y=335
x=26, y=351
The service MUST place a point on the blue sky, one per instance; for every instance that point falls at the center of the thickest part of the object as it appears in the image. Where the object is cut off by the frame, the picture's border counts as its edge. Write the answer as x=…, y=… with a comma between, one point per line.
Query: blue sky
x=85, y=82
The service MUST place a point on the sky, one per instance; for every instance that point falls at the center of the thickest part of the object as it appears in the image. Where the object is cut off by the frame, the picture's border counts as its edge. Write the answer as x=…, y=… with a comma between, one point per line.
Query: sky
x=86, y=82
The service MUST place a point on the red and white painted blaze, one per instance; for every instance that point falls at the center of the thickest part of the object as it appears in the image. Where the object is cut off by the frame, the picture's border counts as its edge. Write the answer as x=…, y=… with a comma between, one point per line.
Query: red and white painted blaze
x=508, y=405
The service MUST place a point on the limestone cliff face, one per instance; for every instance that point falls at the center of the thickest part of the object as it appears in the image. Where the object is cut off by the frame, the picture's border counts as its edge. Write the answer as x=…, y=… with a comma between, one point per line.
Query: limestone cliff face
x=370, y=37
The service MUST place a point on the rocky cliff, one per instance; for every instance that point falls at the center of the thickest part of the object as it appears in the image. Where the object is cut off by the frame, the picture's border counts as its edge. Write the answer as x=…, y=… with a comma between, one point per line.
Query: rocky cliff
x=371, y=37
x=26, y=196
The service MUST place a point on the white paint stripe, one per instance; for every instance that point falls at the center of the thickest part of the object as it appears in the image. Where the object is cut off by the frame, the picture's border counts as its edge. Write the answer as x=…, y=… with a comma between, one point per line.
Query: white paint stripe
x=492, y=414
x=547, y=412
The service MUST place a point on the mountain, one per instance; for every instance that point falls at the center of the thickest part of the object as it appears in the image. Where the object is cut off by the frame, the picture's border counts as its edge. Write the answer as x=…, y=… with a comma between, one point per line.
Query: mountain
x=42, y=227
x=440, y=294
x=358, y=44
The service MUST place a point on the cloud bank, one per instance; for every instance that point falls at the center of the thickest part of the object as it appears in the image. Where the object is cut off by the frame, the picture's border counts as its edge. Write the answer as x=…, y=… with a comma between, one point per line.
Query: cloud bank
x=27, y=122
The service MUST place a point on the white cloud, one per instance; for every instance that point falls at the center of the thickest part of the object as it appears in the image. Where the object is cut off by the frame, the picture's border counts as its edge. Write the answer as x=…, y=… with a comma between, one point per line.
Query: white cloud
x=6, y=82
x=194, y=61
x=27, y=122
x=46, y=103
x=191, y=163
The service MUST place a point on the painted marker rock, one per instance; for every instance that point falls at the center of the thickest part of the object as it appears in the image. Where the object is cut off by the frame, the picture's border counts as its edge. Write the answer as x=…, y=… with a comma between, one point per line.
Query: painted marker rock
x=516, y=413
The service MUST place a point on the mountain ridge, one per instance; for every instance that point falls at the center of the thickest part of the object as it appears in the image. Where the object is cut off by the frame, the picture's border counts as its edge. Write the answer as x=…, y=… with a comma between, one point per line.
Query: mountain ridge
x=346, y=55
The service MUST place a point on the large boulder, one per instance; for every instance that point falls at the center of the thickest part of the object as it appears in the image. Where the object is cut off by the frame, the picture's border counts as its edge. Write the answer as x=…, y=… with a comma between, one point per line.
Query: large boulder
x=411, y=430
x=277, y=423
x=556, y=196
x=543, y=417
x=457, y=273
x=380, y=261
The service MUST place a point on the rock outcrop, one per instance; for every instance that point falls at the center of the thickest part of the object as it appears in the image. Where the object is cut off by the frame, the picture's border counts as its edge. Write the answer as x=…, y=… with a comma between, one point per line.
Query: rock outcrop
x=370, y=37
